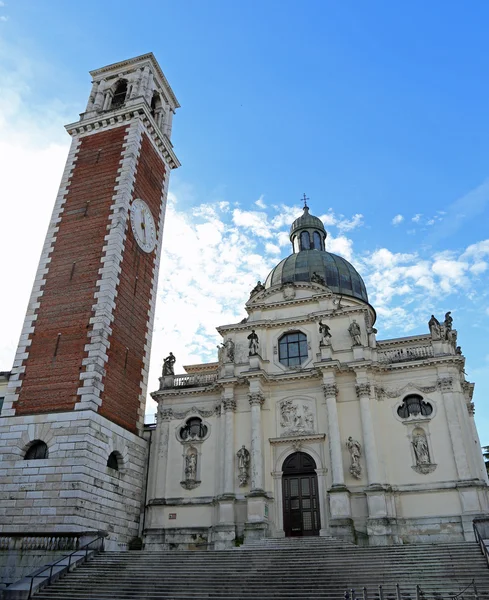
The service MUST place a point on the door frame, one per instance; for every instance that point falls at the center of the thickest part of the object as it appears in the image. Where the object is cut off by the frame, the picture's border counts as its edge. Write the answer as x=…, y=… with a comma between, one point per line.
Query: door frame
x=315, y=449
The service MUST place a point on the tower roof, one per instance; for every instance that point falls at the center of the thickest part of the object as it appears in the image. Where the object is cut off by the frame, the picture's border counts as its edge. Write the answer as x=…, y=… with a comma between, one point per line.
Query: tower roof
x=306, y=221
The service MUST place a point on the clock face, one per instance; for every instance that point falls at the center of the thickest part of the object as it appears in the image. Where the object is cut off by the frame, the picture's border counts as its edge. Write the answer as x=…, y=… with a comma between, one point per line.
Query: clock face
x=143, y=225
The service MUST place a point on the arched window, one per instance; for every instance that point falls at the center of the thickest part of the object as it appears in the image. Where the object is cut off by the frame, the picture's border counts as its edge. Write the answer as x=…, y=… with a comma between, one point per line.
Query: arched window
x=414, y=406
x=194, y=429
x=318, y=242
x=120, y=93
x=305, y=241
x=36, y=451
x=292, y=349
x=112, y=461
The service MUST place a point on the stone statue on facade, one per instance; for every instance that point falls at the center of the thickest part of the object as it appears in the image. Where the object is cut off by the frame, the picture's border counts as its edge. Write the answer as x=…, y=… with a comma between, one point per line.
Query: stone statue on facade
x=253, y=343
x=243, y=465
x=421, y=450
x=316, y=278
x=228, y=354
x=443, y=331
x=435, y=328
x=258, y=288
x=325, y=333
x=168, y=365
x=355, y=450
x=191, y=467
x=355, y=333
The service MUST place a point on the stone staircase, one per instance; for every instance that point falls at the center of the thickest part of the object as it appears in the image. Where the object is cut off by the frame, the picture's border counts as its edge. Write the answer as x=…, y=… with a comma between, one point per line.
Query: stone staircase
x=306, y=568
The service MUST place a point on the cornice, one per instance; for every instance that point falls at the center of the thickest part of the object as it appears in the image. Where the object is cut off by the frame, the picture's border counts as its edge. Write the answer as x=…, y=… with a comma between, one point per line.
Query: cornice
x=309, y=437
x=185, y=391
x=123, y=115
x=275, y=323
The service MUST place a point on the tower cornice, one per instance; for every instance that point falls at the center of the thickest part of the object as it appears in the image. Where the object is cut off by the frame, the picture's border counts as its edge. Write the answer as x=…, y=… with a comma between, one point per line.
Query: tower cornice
x=122, y=115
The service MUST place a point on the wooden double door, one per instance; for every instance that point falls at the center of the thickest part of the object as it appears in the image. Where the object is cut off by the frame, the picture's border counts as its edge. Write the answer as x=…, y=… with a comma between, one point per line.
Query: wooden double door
x=300, y=496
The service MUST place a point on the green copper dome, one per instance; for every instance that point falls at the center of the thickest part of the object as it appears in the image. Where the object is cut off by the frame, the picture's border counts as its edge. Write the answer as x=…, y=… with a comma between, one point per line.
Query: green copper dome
x=306, y=221
x=339, y=275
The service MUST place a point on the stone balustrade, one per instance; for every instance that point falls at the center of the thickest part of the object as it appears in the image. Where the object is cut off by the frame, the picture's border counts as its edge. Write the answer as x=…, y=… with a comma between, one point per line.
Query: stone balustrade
x=186, y=380
x=405, y=353
x=40, y=541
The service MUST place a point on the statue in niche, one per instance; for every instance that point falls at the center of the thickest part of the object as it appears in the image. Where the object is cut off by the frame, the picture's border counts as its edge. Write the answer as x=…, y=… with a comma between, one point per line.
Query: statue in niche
x=355, y=333
x=258, y=288
x=191, y=467
x=243, y=465
x=316, y=278
x=168, y=365
x=421, y=450
x=228, y=354
x=220, y=353
x=435, y=328
x=355, y=451
x=325, y=333
x=253, y=343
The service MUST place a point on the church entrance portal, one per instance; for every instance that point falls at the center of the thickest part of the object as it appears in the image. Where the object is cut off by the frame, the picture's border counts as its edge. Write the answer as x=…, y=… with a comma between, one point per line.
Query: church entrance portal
x=300, y=496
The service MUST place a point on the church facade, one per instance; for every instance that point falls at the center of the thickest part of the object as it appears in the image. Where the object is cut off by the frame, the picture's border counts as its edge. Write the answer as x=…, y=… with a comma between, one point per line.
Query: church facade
x=307, y=425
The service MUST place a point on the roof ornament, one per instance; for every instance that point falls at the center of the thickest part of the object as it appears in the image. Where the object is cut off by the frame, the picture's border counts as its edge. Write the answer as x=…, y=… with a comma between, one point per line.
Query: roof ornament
x=304, y=199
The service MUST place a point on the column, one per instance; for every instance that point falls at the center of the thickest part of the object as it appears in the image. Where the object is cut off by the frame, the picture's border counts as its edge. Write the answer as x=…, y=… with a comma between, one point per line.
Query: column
x=340, y=523
x=257, y=506
x=379, y=528
x=256, y=402
x=370, y=447
x=229, y=407
x=330, y=393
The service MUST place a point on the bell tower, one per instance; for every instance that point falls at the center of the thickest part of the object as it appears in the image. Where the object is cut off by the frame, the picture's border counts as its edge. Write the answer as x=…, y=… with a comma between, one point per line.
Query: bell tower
x=79, y=379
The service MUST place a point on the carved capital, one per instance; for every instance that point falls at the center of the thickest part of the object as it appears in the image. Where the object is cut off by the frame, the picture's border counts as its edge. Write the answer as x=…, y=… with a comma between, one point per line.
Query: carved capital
x=229, y=404
x=165, y=414
x=362, y=389
x=330, y=390
x=256, y=399
x=445, y=384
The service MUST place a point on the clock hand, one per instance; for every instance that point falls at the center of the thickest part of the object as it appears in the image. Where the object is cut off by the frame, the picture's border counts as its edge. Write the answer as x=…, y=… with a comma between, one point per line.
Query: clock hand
x=143, y=224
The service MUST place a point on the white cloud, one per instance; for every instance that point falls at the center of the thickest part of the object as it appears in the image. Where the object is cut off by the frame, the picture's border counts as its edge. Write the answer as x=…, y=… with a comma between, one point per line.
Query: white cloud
x=272, y=248
x=417, y=218
x=340, y=245
x=3, y=18
x=260, y=203
x=349, y=224
x=397, y=219
x=256, y=222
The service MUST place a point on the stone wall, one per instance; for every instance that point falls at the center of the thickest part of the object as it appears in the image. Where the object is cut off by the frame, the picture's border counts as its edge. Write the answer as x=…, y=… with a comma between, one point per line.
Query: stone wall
x=72, y=489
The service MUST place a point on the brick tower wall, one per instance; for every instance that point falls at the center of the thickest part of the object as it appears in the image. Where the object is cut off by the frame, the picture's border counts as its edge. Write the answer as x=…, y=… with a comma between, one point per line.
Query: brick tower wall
x=65, y=307
x=122, y=383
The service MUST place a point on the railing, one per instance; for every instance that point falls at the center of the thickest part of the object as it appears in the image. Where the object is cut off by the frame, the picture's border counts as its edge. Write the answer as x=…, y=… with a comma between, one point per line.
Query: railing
x=380, y=593
x=405, y=354
x=40, y=541
x=185, y=380
x=41, y=573
x=480, y=532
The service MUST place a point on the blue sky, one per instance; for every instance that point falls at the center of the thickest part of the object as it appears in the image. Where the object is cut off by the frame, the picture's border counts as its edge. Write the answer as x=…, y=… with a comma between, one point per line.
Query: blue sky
x=378, y=111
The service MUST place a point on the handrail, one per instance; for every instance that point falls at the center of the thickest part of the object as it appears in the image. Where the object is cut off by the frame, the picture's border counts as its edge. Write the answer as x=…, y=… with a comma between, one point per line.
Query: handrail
x=480, y=540
x=37, y=573
x=380, y=595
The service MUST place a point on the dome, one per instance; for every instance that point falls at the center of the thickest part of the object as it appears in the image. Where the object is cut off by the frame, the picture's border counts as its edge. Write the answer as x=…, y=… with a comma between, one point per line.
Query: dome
x=339, y=275
x=306, y=221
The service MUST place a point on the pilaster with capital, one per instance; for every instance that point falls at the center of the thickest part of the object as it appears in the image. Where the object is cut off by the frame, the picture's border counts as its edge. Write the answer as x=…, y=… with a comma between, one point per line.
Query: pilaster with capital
x=446, y=387
x=256, y=401
x=229, y=408
x=159, y=454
